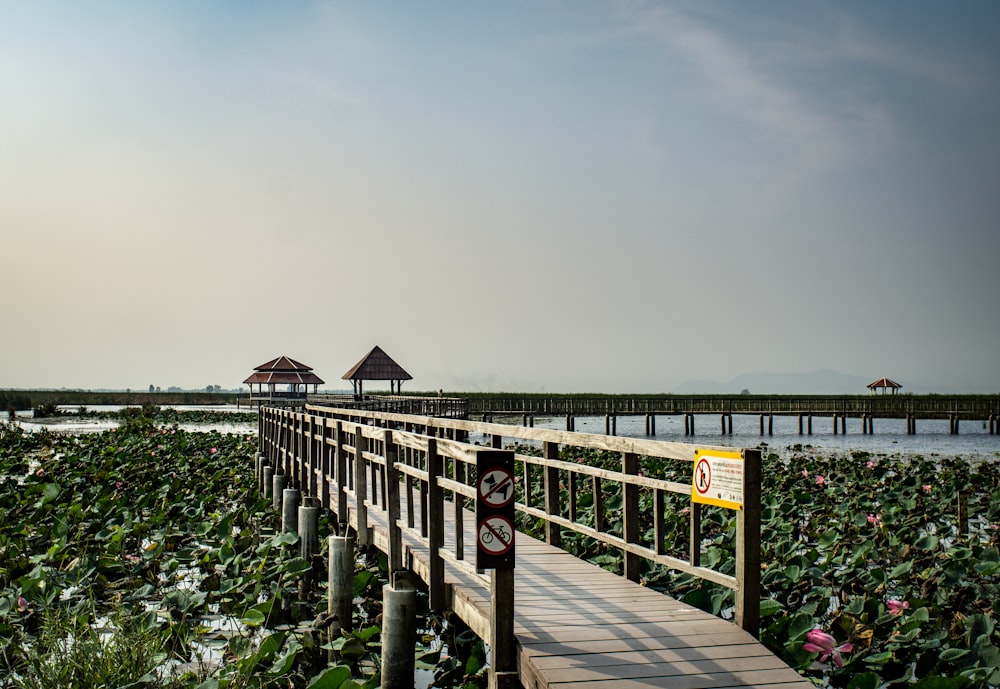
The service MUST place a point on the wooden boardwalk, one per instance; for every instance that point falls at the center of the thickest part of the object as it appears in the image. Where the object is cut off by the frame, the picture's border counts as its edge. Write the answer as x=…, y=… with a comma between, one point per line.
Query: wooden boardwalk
x=575, y=625
x=581, y=627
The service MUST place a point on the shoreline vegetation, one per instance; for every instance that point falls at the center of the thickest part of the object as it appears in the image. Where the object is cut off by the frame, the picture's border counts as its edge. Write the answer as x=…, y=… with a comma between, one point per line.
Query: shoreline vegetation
x=878, y=570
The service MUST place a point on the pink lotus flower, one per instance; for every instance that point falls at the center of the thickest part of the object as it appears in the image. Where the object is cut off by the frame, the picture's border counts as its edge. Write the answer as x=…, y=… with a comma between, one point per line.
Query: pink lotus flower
x=927, y=488
x=820, y=480
x=214, y=450
x=874, y=519
x=818, y=641
x=22, y=604
x=805, y=472
x=40, y=472
x=870, y=464
x=896, y=607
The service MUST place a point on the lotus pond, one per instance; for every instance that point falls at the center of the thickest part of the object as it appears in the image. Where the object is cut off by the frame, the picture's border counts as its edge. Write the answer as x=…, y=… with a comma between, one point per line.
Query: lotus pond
x=142, y=556
x=878, y=570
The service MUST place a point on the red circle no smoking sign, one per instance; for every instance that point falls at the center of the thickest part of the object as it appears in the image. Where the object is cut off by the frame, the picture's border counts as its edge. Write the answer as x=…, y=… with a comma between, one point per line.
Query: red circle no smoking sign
x=703, y=476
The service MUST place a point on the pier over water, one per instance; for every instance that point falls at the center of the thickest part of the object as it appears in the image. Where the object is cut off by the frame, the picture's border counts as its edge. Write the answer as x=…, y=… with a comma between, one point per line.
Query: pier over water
x=835, y=409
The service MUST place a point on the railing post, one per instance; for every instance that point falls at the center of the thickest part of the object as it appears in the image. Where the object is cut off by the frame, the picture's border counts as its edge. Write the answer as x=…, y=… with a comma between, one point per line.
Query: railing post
x=630, y=514
x=361, y=486
x=341, y=461
x=435, y=498
x=392, y=507
x=553, y=532
x=747, y=614
x=324, y=465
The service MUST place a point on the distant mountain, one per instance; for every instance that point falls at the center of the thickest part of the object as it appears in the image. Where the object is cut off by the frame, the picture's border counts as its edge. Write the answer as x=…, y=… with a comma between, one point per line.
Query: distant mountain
x=822, y=382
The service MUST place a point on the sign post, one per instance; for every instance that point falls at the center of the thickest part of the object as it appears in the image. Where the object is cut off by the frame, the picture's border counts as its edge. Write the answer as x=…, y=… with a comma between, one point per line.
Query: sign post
x=495, y=509
x=495, y=550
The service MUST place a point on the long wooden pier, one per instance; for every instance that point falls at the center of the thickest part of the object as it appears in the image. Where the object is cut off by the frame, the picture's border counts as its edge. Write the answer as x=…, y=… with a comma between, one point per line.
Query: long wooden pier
x=405, y=483
x=808, y=408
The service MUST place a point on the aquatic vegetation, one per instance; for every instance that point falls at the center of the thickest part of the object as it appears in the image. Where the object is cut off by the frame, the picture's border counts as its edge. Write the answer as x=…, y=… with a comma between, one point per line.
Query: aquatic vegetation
x=896, y=557
x=143, y=556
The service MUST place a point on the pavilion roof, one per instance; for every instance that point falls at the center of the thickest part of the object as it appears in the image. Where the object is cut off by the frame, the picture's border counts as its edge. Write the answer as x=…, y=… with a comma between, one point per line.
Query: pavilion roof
x=377, y=365
x=283, y=370
x=884, y=383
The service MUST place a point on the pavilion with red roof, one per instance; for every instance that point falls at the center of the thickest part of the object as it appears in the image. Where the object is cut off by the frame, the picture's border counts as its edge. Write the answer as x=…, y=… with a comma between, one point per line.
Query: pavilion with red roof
x=884, y=384
x=293, y=376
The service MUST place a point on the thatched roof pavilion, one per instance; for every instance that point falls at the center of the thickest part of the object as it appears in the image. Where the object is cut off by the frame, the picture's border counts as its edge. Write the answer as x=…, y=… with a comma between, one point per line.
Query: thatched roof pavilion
x=376, y=365
x=884, y=384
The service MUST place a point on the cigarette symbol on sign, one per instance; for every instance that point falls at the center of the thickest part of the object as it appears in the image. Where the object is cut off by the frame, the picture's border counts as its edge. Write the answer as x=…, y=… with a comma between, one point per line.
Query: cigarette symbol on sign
x=703, y=476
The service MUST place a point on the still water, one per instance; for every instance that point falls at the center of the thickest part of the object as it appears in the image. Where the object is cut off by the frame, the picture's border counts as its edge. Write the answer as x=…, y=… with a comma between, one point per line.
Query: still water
x=890, y=436
x=932, y=437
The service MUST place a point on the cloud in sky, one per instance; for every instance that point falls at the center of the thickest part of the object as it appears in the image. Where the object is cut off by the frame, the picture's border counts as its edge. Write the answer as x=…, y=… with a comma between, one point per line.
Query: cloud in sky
x=566, y=197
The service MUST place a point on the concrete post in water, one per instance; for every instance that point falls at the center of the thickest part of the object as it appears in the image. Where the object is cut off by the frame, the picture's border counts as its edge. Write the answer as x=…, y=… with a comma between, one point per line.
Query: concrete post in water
x=289, y=509
x=267, y=485
x=399, y=635
x=308, y=528
x=340, y=571
x=258, y=468
x=277, y=486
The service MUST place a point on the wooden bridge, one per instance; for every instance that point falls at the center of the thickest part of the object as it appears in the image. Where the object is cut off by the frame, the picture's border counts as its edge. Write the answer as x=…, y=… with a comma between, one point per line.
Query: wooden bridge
x=405, y=484
x=838, y=408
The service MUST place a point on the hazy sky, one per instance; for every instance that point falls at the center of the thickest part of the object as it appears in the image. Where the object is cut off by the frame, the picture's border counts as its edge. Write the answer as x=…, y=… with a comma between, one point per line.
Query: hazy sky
x=562, y=196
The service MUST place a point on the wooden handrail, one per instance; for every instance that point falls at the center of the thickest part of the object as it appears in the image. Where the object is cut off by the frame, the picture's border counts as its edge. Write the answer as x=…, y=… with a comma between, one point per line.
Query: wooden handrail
x=373, y=456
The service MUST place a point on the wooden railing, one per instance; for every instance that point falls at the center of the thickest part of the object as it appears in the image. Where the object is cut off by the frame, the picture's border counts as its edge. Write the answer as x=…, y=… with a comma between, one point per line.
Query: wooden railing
x=443, y=407
x=979, y=407
x=383, y=461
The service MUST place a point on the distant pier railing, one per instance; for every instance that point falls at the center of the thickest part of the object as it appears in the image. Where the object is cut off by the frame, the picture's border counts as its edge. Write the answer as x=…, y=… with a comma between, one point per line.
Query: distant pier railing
x=973, y=407
x=439, y=407
x=839, y=408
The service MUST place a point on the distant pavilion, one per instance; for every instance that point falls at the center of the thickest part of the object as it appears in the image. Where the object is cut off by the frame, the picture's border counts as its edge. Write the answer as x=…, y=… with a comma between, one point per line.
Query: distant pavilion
x=294, y=376
x=376, y=365
x=884, y=384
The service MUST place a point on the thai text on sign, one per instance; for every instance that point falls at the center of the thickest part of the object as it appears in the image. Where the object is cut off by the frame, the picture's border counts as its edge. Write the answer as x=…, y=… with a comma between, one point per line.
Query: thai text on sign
x=718, y=478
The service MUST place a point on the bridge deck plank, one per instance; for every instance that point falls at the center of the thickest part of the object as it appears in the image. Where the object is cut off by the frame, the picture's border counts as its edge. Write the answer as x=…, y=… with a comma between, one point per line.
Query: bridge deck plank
x=581, y=627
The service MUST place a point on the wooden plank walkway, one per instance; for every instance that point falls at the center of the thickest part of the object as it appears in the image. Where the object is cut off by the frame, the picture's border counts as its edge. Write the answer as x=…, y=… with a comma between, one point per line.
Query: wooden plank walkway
x=581, y=627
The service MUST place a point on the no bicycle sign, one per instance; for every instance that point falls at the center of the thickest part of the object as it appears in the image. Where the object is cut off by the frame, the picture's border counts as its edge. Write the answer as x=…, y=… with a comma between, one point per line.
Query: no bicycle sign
x=718, y=478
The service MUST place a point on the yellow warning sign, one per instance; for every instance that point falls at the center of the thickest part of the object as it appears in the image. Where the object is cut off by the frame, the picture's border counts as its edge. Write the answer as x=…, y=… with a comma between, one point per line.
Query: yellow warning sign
x=718, y=478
